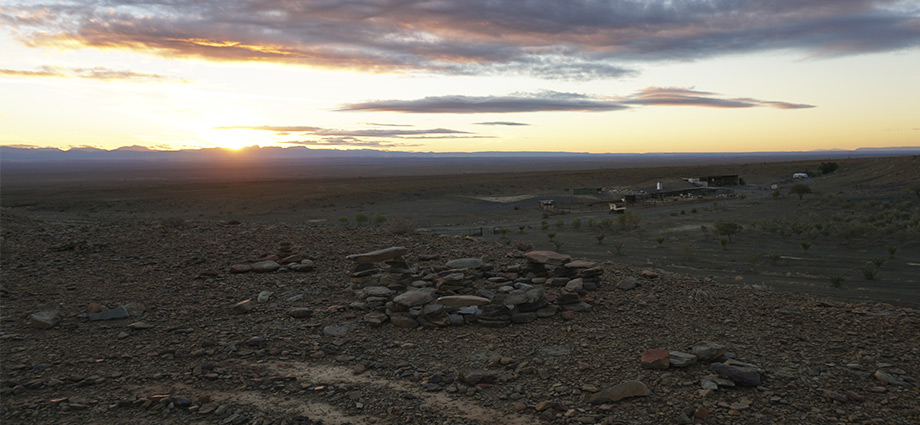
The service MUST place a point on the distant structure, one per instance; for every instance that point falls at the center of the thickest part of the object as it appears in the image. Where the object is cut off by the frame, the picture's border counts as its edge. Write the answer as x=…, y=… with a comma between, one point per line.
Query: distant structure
x=547, y=204
x=587, y=191
x=726, y=180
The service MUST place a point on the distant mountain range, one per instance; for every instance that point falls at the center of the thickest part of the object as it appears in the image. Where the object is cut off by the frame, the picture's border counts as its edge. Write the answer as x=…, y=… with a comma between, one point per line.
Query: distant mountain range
x=10, y=154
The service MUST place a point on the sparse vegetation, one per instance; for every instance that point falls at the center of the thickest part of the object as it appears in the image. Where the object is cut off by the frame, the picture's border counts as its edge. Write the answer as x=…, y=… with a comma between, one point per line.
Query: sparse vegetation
x=774, y=258
x=805, y=245
x=600, y=238
x=379, y=219
x=727, y=228
x=724, y=243
x=660, y=240
x=619, y=247
x=869, y=271
x=343, y=220
x=891, y=250
x=836, y=280
x=361, y=218
x=800, y=189
x=560, y=224
x=576, y=224
x=544, y=226
x=828, y=167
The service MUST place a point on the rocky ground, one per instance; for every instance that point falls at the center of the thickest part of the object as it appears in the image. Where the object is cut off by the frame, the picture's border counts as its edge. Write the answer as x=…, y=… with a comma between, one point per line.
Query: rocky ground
x=166, y=322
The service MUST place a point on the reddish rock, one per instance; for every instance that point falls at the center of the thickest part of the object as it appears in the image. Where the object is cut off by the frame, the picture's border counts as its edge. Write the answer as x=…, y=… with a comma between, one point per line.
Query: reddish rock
x=655, y=358
x=94, y=308
x=240, y=268
x=649, y=274
x=620, y=391
x=548, y=257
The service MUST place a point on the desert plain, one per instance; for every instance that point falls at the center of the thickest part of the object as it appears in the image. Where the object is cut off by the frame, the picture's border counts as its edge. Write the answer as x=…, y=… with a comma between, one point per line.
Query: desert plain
x=252, y=293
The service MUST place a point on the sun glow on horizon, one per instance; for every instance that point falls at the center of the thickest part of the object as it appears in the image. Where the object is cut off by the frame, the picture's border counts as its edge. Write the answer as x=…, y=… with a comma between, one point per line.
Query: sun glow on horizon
x=234, y=138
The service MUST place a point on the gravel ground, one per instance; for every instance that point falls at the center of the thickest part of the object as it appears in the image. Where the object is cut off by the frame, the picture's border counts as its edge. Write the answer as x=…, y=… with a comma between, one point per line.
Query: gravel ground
x=185, y=356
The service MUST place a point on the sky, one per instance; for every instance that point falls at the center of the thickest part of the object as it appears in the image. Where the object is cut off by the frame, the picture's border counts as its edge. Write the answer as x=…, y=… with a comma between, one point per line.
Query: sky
x=611, y=76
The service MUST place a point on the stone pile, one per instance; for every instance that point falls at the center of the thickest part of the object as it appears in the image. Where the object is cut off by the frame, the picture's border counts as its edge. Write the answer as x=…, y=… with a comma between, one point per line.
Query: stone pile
x=285, y=260
x=469, y=290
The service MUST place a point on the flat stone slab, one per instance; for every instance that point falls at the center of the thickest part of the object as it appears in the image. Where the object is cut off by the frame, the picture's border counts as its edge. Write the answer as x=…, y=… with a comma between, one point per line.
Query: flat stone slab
x=266, y=266
x=119, y=312
x=680, y=359
x=380, y=255
x=548, y=257
x=738, y=374
x=465, y=263
x=462, y=301
x=45, y=319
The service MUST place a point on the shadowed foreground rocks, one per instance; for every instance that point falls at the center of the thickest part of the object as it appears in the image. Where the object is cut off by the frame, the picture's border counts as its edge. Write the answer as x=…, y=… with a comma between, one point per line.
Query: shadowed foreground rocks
x=146, y=323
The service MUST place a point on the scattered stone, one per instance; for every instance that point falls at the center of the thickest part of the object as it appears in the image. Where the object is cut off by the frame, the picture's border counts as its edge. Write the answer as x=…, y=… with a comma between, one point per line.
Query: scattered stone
x=465, y=263
x=738, y=374
x=264, y=296
x=140, y=325
x=376, y=319
x=548, y=257
x=45, y=319
x=681, y=359
x=300, y=312
x=628, y=283
x=244, y=306
x=887, y=378
x=649, y=274
x=620, y=391
x=339, y=331
x=414, y=298
x=459, y=301
x=240, y=268
x=655, y=359
x=475, y=377
x=706, y=351
x=119, y=312
x=266, y=266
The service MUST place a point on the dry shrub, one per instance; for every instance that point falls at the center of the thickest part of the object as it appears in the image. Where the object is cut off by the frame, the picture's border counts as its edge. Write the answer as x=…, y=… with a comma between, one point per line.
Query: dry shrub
x=523, y=246
x=401, y=226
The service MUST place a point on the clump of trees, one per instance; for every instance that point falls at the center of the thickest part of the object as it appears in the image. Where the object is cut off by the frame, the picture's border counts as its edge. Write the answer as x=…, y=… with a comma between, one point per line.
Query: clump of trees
x=828, y=167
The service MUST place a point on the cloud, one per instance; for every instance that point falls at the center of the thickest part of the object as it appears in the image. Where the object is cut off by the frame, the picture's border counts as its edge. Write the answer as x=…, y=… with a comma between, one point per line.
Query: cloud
x=509, y=123
x=548, y=101
x=679, y=96
x=347, y=141
x=521, y=102
x=570, y=39
x=285, y=130
x=97, y=73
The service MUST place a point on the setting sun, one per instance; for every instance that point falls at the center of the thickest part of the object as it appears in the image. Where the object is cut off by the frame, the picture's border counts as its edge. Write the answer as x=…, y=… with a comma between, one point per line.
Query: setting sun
x=231, y=138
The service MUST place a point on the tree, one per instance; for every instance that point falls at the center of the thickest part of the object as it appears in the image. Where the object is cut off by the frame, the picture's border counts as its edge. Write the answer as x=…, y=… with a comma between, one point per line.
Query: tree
x=913, y=187
x=828, y=167
x=727, y=228
x=800, y=189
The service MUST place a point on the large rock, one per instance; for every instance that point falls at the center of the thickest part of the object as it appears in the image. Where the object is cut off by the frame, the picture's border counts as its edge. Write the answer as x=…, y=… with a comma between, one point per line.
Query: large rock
x=458, y=301
x=548, y=257
x=414, y=298
x=45, y=319
x=266, y=266
x=655, y=358
x=465, y=263
x=620, y=391
x=738, y=374
x=380, y=255
x=680, y=359
x=708, y=351
x=377, y=291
